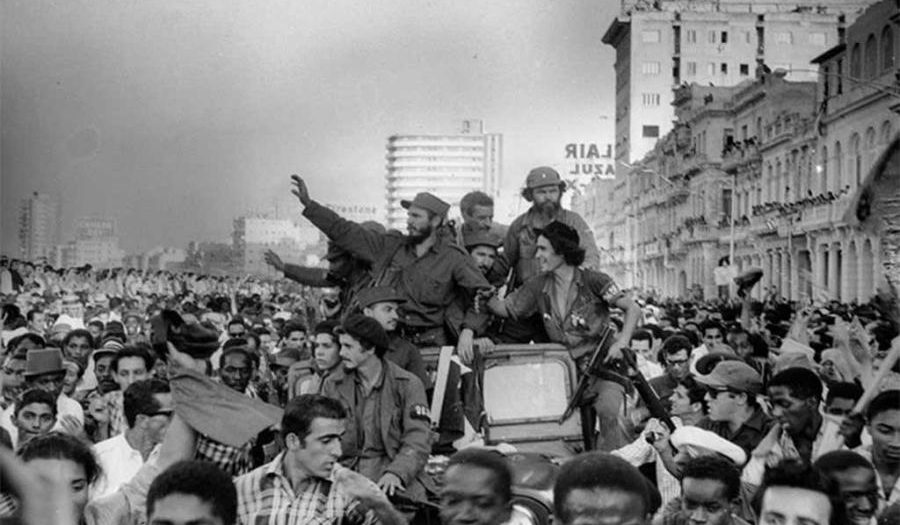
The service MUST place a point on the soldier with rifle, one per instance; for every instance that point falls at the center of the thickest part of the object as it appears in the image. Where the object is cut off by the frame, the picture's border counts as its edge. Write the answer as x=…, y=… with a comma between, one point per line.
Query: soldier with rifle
x=574, y=304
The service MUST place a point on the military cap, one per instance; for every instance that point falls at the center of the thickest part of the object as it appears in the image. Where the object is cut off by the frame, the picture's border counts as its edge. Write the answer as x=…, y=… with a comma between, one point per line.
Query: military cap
x=378, y=294
x=427, y=201
x=481, y=238
x=542, y=176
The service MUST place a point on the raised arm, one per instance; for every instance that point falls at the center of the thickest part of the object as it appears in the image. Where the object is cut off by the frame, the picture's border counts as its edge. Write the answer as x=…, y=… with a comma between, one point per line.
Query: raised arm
x=352, y=237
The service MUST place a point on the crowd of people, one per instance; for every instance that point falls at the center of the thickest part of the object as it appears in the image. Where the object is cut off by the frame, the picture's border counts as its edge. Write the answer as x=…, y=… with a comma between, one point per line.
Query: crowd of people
x=170, y=397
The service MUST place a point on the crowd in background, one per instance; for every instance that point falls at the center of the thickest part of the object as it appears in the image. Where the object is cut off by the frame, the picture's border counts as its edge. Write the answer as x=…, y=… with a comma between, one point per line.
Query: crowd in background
x=269, y=376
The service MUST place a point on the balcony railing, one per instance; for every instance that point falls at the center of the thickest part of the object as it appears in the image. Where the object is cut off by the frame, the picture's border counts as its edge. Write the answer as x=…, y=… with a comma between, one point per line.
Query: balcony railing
x=740, y=156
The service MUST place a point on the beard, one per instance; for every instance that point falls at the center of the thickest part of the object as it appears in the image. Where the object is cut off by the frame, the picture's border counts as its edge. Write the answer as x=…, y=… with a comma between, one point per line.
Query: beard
x=418, y=235
x=548, y=208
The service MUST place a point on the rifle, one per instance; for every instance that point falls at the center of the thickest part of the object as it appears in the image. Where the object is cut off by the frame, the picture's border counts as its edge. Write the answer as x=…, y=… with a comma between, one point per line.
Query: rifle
x=589, y=373
x=654, y=405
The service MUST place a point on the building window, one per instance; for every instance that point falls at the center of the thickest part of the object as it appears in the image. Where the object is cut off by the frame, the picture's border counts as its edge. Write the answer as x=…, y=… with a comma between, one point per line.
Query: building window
x=691, y=36
x=839, y=76
x=711, y=69
x=838, y=167
x=817, y=39
x=691, y=69
x=823, y=187
x=871, y=57
x=724, y=37
x=724, y=68
x=886, y=132
x=887, y=49
x=650, y=36
x=856, y=159
x=748, y=37
x=745, y=70
x=856, y=61
x=711, y=37
x=650, y=99
x=785, y=37
x=650, y=132
x=650, y=68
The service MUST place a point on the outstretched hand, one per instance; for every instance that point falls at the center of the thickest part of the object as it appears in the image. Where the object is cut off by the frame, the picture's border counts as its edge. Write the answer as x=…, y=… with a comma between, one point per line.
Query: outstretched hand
x=300, y=191
x=273, y=260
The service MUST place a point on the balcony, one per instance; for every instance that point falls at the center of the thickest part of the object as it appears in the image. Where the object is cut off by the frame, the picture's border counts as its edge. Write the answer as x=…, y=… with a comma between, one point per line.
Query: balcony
x=699, y=233
x=740, y=156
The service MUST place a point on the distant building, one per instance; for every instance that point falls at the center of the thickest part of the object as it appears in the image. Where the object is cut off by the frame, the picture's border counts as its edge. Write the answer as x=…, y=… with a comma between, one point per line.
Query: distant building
x=662, y=44
x=253, y=236
x=447, y=165
x=95, y=244
x=860, y=115
x=39, y=225
x=159, y=258
x=766, y=171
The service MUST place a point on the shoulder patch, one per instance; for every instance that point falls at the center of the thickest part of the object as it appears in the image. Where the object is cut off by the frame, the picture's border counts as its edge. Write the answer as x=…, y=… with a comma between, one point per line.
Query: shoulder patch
x=420, y=412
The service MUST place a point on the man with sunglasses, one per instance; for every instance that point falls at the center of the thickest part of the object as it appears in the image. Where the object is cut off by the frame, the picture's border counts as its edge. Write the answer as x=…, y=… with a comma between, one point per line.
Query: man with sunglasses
x=148, y=411
x=734, y=413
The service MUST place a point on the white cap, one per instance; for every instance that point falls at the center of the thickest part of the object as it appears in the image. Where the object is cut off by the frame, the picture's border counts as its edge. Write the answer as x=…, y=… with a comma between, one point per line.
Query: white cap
x=697, y=437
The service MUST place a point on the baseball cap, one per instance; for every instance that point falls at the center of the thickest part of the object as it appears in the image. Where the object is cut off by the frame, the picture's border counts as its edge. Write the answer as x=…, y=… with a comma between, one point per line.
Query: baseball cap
x=427, y=201
x=542, y=176
x=734, y=375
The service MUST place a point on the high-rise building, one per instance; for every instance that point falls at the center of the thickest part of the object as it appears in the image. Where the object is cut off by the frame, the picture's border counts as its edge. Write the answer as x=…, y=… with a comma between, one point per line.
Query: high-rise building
x=763, y=175
x=662, y=44
x=39, y=223
x=448, y=166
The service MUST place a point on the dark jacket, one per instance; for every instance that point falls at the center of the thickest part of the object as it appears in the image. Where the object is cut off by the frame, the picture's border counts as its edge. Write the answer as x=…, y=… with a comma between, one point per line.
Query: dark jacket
x=404, y=422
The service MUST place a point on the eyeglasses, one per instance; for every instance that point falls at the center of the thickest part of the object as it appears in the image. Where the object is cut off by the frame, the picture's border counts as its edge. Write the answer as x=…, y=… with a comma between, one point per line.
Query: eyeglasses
x=167, y=413
x=714, y=391
x=14, y=372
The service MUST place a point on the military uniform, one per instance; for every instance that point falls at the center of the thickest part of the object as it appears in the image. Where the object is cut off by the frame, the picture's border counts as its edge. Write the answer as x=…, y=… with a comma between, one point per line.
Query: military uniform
x=577, y=327
x=587, y=307
x=520, y=245
x=388, y=430
x=429, y=284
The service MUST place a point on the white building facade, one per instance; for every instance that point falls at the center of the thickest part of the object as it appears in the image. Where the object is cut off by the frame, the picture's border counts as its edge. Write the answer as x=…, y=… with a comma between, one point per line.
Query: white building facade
x=448, y=166
x=39, y=225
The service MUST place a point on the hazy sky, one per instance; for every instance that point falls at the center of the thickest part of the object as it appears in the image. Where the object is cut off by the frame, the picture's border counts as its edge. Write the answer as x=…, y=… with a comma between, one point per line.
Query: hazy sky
x=177, y=116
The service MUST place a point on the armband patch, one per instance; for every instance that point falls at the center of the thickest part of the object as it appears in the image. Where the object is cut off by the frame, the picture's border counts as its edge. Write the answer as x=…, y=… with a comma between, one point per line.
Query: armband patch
x=420, y=412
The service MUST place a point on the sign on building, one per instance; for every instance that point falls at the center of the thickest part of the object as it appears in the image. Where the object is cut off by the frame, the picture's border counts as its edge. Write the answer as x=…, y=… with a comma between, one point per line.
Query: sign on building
x=587, y=161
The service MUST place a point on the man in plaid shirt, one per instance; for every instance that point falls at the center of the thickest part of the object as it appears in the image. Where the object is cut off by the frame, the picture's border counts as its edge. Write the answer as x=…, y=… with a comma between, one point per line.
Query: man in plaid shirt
x=305, y=484
x=235, y=368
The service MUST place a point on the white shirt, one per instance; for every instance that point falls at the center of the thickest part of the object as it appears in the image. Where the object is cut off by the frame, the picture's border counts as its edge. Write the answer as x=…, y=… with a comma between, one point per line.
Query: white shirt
x=119, y=462
x=65, y=405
